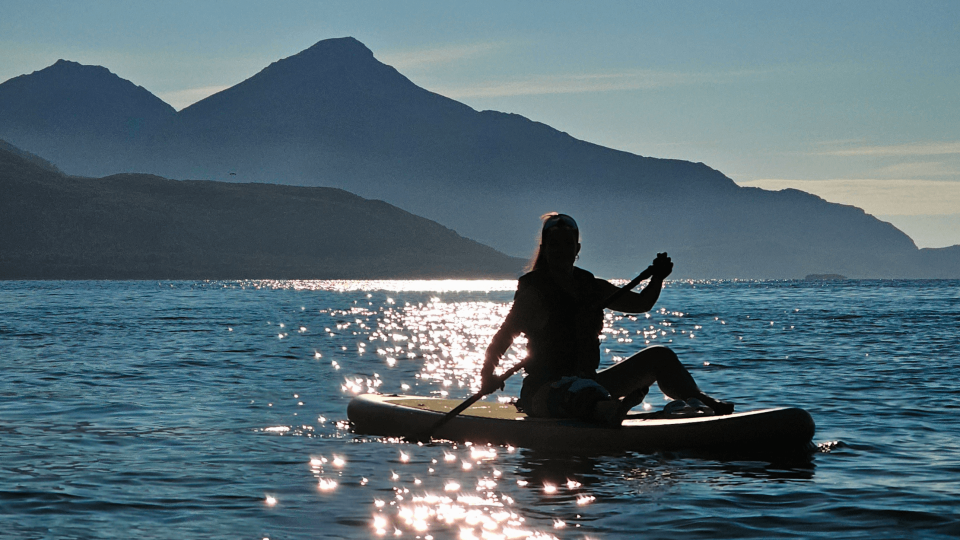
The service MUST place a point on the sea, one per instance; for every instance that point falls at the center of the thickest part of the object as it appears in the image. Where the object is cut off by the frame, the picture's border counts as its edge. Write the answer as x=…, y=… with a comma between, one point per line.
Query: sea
x=218, y=409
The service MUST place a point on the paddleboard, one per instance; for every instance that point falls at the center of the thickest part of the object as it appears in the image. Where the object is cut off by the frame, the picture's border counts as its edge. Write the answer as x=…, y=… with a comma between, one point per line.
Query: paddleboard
x=491, y=422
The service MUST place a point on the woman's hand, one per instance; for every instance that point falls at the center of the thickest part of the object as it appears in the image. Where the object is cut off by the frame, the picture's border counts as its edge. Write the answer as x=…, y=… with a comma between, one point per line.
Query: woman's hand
x=489, y=381
x=662, y=266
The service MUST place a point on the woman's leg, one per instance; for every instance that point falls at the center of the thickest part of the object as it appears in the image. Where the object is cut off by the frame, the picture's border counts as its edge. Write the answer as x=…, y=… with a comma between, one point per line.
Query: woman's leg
x=653, y=364
x=659, y=364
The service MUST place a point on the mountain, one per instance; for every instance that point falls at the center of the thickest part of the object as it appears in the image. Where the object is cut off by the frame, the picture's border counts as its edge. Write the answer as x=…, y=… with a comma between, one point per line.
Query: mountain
x=83, y=118
x=333, y=115
x=137, y=226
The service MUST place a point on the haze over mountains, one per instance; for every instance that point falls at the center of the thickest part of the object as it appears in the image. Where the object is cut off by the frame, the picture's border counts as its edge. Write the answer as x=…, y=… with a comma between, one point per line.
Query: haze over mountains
x=137, y=226
x=333, y=115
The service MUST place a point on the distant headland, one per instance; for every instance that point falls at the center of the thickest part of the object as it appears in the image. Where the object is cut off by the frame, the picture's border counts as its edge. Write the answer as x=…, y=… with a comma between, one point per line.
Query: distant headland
x=136, y=226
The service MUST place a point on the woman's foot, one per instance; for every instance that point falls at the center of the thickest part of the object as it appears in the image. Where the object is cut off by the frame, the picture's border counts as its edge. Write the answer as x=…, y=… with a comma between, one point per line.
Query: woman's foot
x=718, y=406
x=607, y=413
x=633, y=399
x=612, y=412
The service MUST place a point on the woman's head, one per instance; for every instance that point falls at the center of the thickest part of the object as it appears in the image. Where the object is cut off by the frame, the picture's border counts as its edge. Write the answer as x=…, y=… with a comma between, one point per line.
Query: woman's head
x=559, y=242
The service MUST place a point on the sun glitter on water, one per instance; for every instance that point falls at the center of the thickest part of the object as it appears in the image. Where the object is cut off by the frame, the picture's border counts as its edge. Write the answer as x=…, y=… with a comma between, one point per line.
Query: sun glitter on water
x=413, y=285
x=436, y=340
x=440, y=503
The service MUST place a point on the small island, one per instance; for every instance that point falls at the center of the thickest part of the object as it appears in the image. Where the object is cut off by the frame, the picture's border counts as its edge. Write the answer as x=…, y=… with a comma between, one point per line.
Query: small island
x=824, y=277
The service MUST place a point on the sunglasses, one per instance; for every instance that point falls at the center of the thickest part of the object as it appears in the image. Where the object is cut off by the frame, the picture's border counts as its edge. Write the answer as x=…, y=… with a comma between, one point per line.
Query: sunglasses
x=559, y=221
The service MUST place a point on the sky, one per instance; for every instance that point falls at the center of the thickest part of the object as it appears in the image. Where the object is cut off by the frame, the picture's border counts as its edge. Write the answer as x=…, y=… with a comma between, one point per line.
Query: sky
x=857, y=102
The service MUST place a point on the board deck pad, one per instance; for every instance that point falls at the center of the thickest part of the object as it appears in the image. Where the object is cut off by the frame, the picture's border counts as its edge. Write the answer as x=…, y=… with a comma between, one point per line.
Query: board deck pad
x=485, y=409
x=507, y=411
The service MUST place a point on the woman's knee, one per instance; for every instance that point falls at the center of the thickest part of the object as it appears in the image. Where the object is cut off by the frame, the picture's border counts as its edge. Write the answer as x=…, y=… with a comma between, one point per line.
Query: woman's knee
x=661, y=355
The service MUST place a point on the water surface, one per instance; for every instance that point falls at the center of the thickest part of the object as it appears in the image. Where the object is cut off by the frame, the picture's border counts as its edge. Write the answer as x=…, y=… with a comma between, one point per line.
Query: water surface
x=218, y=409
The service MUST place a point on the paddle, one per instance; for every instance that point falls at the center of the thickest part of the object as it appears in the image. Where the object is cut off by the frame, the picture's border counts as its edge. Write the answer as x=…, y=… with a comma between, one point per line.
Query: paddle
x=426, y=435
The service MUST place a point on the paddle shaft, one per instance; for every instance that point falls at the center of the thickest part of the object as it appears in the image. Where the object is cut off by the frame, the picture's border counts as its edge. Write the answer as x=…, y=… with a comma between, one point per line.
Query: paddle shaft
x=510, y=372
x=469, y=401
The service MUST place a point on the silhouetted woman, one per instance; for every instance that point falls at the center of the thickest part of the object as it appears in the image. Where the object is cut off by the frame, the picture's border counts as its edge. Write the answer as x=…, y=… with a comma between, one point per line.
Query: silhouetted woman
x=557, y=307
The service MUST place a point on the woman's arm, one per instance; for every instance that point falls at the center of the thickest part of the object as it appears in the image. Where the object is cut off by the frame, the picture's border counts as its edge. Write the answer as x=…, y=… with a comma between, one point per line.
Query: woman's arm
x=526, y=313
x=643, y=301
x=632, y=302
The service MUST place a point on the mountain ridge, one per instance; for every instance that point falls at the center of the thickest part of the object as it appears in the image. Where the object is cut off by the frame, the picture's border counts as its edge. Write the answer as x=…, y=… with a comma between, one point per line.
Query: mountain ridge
x=333, y=115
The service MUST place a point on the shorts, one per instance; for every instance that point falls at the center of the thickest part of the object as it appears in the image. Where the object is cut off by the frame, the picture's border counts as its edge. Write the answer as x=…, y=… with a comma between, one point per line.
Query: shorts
x=568, y=397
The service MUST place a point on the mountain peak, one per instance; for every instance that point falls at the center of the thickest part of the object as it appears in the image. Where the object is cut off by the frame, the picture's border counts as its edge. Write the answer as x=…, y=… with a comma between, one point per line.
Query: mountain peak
x=70, y=68
x=57, y=88
x=331, y=54
x=65, y=110
x=345, y=46
x=329, y=74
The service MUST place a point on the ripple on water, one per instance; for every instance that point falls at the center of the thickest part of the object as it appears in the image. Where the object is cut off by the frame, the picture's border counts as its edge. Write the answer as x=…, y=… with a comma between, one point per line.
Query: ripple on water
x=179, y=408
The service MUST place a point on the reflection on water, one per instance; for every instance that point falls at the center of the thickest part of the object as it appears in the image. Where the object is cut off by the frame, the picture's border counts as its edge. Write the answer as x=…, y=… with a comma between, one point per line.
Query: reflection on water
x=464, y=492
x=173, y=409
x=410, y=285
x=460, y=493
x=446, y=339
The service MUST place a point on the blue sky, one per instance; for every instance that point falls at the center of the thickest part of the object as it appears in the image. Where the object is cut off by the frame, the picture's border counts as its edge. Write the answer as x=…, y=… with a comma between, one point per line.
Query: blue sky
x=858, y=102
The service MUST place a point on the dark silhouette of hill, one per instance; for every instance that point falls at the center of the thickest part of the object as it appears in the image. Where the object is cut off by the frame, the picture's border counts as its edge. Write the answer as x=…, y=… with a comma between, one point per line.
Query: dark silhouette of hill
x=333, y=115
x=137, y=226
x=940, y=263
x=32, y=158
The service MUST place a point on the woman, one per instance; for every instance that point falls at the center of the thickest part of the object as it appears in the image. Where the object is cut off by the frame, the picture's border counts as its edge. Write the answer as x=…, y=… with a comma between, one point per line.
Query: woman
x=559, y=308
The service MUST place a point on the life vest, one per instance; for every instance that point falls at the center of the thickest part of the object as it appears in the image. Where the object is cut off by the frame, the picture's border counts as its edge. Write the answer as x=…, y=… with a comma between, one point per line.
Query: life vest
x=569, y=343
